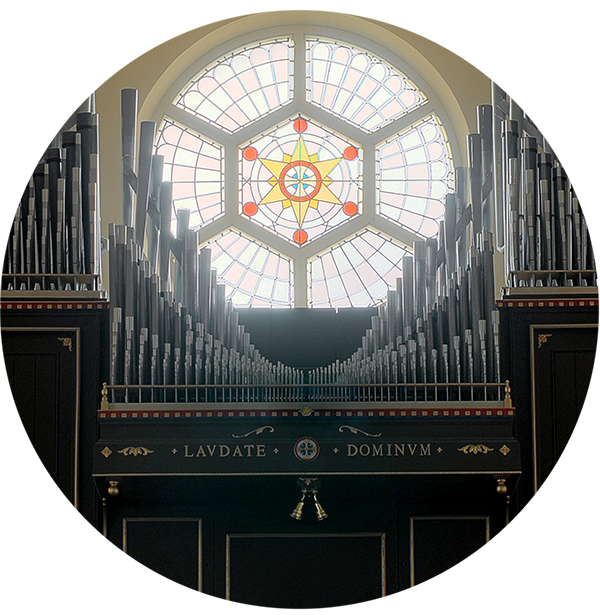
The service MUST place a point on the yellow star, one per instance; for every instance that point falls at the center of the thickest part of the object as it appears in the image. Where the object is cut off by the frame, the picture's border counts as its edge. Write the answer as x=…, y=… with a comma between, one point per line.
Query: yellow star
x=300, y=181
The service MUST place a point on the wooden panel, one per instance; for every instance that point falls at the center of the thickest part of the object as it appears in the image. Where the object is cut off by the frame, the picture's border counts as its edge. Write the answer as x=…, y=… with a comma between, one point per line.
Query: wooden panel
x=438, y=543
x=170, y=546
x=562, y=363
x=305, y=570
x=43, y=373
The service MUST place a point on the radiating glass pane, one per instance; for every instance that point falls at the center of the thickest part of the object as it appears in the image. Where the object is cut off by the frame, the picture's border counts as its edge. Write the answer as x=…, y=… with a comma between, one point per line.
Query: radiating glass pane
x=241, y=87
x=356, y=272
x=254, y=275
x=357, y=86
x=194, y=166
x=300, y=180
x=414, y=172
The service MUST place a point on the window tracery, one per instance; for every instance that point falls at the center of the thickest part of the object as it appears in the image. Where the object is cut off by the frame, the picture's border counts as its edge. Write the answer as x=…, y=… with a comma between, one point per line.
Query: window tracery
x=317, y=149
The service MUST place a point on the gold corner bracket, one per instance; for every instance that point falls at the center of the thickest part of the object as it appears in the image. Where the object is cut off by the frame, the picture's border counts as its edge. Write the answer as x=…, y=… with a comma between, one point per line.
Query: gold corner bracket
x=67, y=342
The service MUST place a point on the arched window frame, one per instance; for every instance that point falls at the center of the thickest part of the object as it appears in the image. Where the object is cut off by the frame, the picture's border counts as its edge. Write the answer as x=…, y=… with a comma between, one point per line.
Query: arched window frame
x=231, y=142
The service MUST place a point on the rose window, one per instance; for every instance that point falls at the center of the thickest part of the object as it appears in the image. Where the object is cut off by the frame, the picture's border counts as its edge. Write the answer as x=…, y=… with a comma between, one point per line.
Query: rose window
x=320, y=159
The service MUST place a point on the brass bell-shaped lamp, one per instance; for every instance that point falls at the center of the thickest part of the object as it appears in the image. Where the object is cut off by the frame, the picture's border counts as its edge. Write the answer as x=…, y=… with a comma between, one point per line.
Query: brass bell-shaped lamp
x=321, y=514
x=297, y=512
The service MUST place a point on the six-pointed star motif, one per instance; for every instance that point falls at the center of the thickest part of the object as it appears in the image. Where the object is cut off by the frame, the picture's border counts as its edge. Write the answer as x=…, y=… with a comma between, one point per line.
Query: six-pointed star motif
x=300, y=181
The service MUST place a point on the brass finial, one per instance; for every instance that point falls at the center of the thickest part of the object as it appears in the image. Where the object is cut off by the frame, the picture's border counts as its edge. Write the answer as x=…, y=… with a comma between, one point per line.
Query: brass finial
x=501, y=487
x=104, y=399
x=507, y=397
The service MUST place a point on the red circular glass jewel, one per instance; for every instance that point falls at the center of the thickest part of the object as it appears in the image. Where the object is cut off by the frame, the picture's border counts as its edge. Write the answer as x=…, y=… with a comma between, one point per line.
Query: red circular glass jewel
x=350, y=153
x=250, y=208
x=350, y=208
x=300, y=236
x=250, y=153
x=300, y=125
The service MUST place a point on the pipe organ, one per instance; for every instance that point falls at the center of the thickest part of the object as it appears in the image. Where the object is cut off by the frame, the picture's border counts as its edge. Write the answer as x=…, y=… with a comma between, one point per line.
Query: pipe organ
x=176, y=338
x=193, y=424
x=195, y=420
x=54, y=244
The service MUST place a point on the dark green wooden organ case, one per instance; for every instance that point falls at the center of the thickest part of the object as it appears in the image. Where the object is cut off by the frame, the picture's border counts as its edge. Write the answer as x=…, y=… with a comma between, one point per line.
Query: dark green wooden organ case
x=254, y=501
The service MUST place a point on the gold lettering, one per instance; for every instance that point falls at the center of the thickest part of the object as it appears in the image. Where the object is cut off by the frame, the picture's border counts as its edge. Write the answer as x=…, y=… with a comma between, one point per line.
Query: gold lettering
x=237, y=452
x=186, y=451
x=260, y=450
x=201, y=452
x=352, y=450
x=248, y=448
x=222, y=449
x=211, y=449
x=412, y=448
x=378, y=450
x=399, y=448
x=364, y=447
x=425, y=450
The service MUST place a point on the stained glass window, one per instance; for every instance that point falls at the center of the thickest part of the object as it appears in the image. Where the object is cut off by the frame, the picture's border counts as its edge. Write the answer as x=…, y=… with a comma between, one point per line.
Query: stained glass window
x=254, y=275
x=414, y=174
x=194, y=165
x=300, y=180
x=357, y=86
x=302, y=167
x=356, y=272
x=242, y=87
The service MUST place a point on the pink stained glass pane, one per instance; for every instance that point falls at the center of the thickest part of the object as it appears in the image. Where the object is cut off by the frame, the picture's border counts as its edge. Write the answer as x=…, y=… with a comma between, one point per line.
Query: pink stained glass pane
x=373, y=92
x=241, y=87
x=414, y=172
x=253, y=274
x=300, y=180
x=356, y=272
x=194, y=166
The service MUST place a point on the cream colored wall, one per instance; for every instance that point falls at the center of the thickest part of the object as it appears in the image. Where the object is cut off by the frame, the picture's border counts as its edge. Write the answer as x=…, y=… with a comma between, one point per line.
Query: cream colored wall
x=135, y=48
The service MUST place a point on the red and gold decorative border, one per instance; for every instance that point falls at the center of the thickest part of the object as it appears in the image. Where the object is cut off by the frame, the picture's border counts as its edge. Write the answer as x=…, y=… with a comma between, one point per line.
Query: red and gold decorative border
x=193, y=414
x=54, y=305
x=527, y=303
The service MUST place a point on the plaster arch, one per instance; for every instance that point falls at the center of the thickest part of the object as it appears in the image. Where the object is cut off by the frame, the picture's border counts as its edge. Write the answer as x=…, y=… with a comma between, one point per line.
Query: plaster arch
x=383, y=40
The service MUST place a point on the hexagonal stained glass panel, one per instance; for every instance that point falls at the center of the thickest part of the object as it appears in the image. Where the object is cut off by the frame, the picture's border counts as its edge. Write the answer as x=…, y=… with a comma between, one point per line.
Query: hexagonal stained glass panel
x=356, y=272
x=243, y=86
x=357, y=86
x=254, y=275
x=300, y=180
x=194, y=166
x=414, y=172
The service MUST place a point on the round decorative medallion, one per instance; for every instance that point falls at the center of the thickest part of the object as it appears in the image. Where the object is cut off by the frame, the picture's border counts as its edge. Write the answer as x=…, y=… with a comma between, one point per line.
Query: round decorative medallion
x=306, y=449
